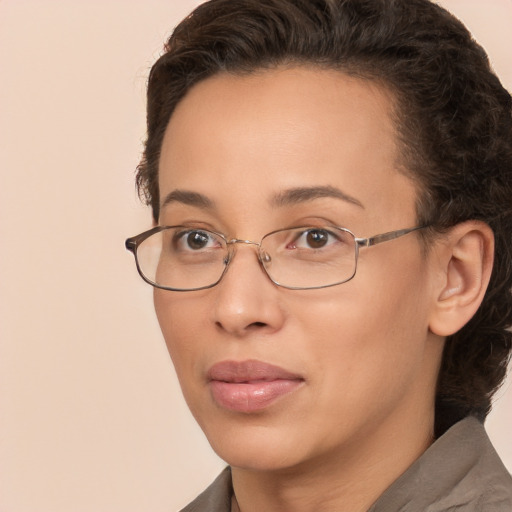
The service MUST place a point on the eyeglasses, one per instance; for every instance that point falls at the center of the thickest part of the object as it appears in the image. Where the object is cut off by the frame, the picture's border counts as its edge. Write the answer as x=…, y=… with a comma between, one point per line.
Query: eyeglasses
x=184, y=258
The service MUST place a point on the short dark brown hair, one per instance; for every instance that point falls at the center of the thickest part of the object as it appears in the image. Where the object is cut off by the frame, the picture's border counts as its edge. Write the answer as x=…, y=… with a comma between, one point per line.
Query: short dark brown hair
x=454, y=123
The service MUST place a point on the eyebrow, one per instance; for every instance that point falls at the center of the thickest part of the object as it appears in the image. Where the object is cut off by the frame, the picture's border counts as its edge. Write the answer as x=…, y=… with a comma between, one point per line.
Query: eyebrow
x=288, y=197
x=299, y=195
x=190, y=198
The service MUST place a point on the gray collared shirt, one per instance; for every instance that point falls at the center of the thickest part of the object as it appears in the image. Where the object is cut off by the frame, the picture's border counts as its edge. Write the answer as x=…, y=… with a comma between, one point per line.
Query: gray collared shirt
x=460, y=472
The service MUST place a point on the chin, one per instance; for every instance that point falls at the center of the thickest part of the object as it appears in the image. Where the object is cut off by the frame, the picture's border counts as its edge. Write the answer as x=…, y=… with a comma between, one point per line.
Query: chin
x=260, y=458
x=255, y=447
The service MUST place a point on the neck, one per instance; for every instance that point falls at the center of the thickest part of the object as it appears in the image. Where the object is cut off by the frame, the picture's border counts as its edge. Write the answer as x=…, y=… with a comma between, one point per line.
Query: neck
x=346, y=480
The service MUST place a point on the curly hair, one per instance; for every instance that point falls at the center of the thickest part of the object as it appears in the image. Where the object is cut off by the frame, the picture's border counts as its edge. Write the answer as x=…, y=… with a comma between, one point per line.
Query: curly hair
x=453, y=122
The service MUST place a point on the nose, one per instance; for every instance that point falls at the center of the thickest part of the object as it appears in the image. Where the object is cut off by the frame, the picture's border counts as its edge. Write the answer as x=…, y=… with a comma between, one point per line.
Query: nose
x=247, y=301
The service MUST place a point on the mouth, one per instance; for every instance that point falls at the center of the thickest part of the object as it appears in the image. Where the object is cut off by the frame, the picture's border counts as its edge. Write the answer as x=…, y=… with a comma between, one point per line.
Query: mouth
x=250, y=386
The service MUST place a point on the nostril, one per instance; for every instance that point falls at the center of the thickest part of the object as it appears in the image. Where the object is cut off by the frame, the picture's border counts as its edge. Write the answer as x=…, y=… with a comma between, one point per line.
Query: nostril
x=253, y=326
x=257, y=325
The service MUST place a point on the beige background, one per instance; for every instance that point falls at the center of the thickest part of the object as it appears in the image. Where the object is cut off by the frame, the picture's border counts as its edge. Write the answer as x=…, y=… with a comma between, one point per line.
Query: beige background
x=91, y=417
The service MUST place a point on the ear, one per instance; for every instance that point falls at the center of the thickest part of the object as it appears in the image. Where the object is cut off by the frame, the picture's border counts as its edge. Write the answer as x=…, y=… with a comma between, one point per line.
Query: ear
x=464, y=258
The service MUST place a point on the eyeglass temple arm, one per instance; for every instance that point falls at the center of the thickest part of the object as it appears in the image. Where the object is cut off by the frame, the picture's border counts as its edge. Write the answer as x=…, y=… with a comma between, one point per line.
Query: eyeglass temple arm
x=132, y=242
x=384, y=237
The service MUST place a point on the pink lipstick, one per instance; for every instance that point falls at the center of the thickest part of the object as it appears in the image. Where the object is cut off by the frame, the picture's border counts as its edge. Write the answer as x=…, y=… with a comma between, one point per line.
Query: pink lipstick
x=250, y=386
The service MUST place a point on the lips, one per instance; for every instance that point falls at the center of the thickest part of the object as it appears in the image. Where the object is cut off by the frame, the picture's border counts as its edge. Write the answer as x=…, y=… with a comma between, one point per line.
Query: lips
x=250, y=386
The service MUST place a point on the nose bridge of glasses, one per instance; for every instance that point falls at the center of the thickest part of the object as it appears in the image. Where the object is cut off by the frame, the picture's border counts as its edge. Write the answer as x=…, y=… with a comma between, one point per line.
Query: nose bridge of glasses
x=263, y=256
x=233, y=241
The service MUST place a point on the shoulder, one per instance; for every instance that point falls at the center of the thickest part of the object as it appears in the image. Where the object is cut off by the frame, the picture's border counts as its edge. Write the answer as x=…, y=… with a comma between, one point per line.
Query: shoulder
x=216, y=498
x=461, y=471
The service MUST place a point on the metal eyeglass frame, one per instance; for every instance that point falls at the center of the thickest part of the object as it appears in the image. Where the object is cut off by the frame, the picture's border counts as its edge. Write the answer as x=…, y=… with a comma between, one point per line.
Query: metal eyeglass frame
x=132, y=244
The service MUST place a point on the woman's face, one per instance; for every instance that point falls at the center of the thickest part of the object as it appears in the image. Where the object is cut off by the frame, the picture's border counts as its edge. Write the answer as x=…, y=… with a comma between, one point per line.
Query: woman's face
x=277, y=377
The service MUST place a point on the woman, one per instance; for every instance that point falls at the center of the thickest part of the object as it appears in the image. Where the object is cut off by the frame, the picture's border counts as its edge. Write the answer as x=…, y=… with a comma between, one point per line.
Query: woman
x=286, y=139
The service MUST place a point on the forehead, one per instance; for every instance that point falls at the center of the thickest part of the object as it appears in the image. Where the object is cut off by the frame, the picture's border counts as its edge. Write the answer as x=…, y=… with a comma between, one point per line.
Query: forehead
x=258, y=134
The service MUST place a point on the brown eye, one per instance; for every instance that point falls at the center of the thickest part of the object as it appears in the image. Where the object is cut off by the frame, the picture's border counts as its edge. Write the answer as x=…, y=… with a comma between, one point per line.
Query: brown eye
x=197, y=240
x=317, y=238
x=312, y=239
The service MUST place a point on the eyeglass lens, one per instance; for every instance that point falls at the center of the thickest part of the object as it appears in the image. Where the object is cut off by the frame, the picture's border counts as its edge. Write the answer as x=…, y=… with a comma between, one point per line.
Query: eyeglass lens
x=183, y=258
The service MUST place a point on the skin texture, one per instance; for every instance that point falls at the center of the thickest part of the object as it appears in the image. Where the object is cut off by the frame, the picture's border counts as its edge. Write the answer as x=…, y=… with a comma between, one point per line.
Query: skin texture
x=366, y=351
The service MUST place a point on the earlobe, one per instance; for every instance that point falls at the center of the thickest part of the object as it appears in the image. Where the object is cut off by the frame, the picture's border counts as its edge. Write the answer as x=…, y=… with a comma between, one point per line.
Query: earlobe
x=465, y=264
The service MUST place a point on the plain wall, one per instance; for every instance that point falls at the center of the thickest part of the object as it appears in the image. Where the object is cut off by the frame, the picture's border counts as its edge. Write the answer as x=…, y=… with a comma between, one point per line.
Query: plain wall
x=91, y=416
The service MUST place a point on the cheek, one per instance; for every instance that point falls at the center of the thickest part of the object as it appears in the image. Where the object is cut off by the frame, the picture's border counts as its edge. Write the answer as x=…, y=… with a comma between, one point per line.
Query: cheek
x=183, y=321
x=369, y=338
x=182, y=325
